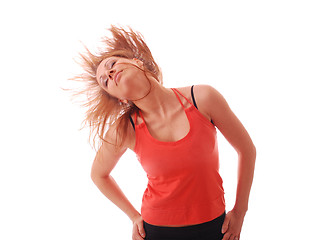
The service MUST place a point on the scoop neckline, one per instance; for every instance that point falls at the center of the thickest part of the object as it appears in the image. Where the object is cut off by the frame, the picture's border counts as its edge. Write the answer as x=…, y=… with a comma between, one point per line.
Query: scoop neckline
x=188, y=116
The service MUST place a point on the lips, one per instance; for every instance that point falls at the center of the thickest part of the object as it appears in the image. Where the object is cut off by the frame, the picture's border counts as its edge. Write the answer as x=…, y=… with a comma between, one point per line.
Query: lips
x=116, y=78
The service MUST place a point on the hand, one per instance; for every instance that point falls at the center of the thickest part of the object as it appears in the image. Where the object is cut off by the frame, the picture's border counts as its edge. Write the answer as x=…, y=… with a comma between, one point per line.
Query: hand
x=232, y=225
x=138, y=232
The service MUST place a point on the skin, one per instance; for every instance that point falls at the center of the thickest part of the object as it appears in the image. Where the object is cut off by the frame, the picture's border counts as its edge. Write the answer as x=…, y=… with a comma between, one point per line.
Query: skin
x=134, y=85
x=159, y=105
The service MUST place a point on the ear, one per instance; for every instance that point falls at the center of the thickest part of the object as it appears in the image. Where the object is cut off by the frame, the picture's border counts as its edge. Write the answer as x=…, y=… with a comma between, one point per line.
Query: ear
x=139, y=62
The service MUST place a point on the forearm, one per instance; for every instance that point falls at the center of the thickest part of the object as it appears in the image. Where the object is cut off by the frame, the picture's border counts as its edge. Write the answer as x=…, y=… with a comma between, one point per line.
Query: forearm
x=112, y=191
x=246, y=165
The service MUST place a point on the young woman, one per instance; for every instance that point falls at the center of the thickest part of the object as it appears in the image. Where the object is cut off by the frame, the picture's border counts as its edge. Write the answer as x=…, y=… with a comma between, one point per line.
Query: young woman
x=173, y=133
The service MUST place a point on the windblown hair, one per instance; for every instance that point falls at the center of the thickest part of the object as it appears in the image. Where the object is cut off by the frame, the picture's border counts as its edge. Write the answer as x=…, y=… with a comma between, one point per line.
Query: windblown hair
x=103, y=109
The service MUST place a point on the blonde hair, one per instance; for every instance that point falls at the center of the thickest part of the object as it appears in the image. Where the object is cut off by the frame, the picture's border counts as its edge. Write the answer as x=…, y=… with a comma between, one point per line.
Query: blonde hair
x=103, y=109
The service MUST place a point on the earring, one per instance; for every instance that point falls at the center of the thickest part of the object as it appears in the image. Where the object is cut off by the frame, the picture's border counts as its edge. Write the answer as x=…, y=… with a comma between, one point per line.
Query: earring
x=123, y=101
x=139, y=62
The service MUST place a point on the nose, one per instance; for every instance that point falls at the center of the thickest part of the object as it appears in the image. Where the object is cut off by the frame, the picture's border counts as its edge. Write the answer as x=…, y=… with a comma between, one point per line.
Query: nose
x=111, y=74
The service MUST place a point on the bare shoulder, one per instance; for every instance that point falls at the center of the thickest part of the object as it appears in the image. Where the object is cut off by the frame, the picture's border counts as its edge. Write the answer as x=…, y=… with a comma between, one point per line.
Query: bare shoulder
x=201, y=91
x=204, y=96
x=211, y=100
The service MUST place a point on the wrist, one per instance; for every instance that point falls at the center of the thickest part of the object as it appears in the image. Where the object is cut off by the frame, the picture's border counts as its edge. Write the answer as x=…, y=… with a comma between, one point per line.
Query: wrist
x=134, y=216
x=240, y=211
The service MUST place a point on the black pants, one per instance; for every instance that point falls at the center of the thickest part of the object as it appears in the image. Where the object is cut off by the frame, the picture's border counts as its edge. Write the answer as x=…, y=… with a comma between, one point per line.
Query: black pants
x=211, y=230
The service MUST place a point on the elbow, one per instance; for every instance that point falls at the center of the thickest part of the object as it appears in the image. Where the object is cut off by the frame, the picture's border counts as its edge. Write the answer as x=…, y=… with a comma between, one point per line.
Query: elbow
x=97, y=178
x=248, y=152
x=94, y=177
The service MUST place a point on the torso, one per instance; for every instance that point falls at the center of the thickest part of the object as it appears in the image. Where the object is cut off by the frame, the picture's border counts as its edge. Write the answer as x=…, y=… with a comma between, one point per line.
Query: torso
x=173, y=129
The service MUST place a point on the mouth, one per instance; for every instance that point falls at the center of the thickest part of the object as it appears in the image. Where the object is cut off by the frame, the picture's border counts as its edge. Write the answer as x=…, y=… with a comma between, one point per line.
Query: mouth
x=116, y=78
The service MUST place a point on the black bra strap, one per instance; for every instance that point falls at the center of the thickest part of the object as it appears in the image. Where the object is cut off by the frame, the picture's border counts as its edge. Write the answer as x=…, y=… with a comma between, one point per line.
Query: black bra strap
x=195, y=103
x=132, y=123
x=193, y=97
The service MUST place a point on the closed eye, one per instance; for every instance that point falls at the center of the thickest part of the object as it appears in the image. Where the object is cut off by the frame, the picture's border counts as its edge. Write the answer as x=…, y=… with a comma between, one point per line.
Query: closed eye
x=104, y=80
x=112, y=64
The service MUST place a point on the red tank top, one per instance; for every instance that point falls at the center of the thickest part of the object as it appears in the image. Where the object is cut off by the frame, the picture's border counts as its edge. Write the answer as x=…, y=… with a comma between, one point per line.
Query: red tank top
x=184, y=185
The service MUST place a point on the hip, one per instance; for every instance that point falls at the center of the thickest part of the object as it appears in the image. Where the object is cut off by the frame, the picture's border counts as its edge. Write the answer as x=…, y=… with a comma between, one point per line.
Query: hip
x=210, y=230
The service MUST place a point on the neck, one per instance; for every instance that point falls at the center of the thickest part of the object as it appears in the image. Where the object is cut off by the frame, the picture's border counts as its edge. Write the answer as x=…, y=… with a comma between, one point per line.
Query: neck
x=158, y=102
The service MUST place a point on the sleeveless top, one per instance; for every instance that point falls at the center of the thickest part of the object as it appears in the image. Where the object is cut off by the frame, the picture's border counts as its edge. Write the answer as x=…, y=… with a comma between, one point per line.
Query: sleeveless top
x=184, y=185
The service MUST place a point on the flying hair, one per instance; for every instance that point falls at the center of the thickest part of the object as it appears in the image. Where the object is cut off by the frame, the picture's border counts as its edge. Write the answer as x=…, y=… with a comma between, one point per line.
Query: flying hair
x=104, y=110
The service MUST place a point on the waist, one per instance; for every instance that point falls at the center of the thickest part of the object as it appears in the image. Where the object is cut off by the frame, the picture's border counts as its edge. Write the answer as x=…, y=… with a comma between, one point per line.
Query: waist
x=200, y=225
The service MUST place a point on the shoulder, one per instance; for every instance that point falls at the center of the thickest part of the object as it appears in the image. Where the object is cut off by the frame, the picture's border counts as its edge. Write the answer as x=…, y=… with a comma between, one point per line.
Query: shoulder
x=202, y=91
x=211, y=103
x=209, y=97
x=205, y=97
x=205, y=91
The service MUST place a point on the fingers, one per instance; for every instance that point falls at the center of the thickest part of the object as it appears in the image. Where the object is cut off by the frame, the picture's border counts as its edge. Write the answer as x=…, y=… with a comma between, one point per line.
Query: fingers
x=231, y=227
x=138, y=232
x=137, y=237
x=229, y=236
x=226, y=236
x=141, y=229
x=226, y=222
x=233, y=237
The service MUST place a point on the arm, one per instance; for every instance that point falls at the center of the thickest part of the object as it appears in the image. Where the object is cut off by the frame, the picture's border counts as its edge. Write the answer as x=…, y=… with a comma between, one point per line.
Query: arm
x=232, y=129
x=104, y=162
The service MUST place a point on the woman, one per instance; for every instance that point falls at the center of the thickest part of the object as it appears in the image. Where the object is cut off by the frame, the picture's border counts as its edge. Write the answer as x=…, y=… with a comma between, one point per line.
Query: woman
x=173, y=133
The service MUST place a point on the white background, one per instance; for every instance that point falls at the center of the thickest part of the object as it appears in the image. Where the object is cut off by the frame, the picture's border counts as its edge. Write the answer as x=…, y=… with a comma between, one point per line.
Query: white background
x=270, y=59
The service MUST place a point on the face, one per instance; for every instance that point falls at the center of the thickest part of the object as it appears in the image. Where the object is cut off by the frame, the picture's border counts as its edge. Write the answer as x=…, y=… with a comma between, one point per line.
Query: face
x=121, y=78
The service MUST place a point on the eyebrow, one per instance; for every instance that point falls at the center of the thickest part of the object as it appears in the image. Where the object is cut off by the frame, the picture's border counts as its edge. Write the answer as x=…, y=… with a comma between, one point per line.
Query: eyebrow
x=112, y=58
x=106, y=63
